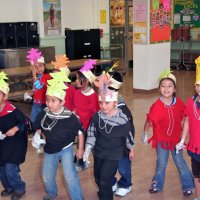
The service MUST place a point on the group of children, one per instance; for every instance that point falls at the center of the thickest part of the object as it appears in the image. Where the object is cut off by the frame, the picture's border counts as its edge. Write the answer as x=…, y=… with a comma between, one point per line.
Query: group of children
x=102, y=124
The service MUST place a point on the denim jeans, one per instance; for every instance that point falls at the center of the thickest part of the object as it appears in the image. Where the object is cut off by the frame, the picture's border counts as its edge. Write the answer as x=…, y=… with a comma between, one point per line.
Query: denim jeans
x=36, y=109
x=49, y=168
x=161, y=163
x=10, y=178
x=124, y=169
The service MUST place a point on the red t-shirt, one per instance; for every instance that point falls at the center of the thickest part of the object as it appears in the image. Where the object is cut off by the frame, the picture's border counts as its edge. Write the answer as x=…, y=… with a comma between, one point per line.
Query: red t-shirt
x=69, y=98
x=167, y=123
x=86, y=106
x=194, y=127
x=39, y=96
x=8, y=108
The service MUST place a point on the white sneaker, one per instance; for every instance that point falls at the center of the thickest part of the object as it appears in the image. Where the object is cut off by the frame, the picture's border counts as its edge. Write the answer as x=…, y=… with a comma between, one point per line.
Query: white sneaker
x=115, y=187
x=122, y=192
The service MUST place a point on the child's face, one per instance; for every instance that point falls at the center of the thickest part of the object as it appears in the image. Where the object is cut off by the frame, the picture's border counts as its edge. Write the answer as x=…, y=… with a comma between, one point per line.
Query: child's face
x=197, y=89
x=3, y=98
x=107, y=107
x=167, y=88
x=54, y=104
x=39, y=68
x=80, y=83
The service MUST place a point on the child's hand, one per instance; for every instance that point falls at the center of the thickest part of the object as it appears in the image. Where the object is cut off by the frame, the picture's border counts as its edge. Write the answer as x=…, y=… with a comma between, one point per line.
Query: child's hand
x=79, y=153
x=12, y=131
x=144, y=138
x=180, y=145
x=131, y=154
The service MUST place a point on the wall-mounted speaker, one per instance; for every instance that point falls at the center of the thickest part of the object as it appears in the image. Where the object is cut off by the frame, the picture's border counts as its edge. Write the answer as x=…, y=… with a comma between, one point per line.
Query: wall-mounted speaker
x=32, y=34
x=21, y=34
x=9, y=36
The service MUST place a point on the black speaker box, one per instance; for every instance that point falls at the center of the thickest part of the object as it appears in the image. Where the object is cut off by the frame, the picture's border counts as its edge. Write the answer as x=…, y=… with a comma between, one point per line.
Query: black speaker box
x=32, y=34
x=69, y=44
x=21, y=34
x=82, y=43
x=9, y=35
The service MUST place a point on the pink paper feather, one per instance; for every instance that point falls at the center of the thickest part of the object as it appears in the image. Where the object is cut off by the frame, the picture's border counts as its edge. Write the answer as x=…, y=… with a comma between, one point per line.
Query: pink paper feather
x=88, y=65
x=33, y=55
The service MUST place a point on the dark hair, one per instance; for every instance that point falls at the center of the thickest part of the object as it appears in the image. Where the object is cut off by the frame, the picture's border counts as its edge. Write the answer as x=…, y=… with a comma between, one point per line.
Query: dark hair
x=167, y=78
x=82, y=77
x=117, y=76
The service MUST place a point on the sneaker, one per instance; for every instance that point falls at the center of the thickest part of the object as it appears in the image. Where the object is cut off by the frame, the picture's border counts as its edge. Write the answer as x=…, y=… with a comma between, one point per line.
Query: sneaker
x=49, y=197
x=79, y=167
x=187, y=192
x=115, y=187
x=122, y=192
x=7, y=192
x=17, y=195
x=153, y=188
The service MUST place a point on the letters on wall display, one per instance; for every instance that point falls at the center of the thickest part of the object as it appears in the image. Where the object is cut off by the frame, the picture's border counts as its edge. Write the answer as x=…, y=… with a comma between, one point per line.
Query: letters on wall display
x=52, y=17
x=160, y=21
x=187, y=13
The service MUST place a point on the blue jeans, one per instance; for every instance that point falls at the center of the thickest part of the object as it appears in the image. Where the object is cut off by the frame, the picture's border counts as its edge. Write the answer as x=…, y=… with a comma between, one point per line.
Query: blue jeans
x=36, y=109
x=10, y=178
x=161, y=164
x=124, y=169
x=49, y=168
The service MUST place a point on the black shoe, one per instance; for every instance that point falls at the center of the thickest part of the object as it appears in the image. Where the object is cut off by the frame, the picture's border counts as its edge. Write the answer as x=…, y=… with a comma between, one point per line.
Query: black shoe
x=17, y=195
x=187, y=192
x=7, y=192
x=153, y=190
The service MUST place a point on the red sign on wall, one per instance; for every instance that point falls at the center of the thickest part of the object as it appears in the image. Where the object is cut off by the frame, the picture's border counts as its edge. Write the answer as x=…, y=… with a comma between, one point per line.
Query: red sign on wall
x=160, y=21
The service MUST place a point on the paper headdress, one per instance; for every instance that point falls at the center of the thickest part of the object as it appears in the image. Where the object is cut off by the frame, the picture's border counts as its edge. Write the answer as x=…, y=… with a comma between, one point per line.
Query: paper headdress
x=167, y=74
x=116, y=78
x=61, y=64
x=34, y=56
x=86, y=70
x=56, y=86
x=4, y=87
x=105, y=94
x=197, y=62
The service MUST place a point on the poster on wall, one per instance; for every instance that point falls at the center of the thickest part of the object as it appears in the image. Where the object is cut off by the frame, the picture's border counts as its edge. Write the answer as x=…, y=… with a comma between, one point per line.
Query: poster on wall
x=187, y=13
x=140, y=23
x=160, y=21
x=52, y=17
x=117, y=12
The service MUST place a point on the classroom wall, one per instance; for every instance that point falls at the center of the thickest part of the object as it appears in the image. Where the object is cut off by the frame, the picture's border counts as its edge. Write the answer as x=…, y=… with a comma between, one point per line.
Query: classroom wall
x=76, y=14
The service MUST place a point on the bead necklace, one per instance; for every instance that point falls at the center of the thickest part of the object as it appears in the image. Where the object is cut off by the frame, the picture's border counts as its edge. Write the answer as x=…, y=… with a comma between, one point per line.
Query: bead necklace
x=195, y=109
x=170, y=116
x=53, y=123
x=106, y=123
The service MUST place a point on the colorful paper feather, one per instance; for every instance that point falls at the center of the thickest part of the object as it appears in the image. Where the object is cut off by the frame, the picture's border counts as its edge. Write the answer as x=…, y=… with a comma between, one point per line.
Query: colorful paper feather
x=33, y=55
x=88, y=65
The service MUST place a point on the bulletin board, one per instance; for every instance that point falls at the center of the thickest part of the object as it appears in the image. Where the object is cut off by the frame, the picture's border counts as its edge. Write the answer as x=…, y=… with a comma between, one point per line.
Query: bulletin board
x=187, y=13
x=160, y=21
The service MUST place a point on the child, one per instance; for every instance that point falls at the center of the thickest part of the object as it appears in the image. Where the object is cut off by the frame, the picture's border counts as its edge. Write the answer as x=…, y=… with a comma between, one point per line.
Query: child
x=108, y=133
x=85, y=100
x=192, y=126
x=40, y=77
x=60, y=127
x=60, y=64
x=166, y=116
x=13, y=144
x=122, y=186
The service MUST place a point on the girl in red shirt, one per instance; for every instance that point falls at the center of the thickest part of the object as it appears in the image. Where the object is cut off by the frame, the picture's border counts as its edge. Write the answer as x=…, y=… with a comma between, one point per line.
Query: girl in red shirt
x=85, y=100
x=192, y=126
x=165, y=117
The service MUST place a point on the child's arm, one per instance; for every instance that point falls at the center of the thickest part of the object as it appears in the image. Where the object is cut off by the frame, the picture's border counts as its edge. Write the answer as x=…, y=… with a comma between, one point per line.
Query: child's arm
x=185, y=131
x=144, y=136
x=12, y=131
x=79, y=153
